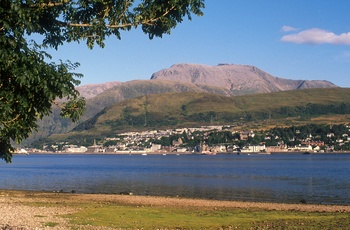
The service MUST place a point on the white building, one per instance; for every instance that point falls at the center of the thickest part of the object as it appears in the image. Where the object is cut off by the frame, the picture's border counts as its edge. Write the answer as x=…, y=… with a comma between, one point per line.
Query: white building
x=155, y=147
x=253, y=149
x=76, y=149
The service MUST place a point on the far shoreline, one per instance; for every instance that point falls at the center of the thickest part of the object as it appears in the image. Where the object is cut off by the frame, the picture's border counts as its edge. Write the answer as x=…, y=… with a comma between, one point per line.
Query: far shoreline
x=183, y=153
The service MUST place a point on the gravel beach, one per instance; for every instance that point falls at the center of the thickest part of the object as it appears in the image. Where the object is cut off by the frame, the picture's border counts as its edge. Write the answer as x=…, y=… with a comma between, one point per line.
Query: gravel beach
x=32, y=210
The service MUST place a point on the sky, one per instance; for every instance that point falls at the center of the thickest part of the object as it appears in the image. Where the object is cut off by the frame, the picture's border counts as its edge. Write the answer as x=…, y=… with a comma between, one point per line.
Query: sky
x=300, y=40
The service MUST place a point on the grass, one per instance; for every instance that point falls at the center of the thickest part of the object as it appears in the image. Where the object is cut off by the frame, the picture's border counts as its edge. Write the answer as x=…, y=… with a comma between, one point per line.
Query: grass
x=173, y=104
x=140, y=217
x=96, y=212
x=51, y=224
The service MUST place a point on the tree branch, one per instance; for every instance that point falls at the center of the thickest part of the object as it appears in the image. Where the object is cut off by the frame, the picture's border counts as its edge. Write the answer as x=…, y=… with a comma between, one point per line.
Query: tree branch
x=51, y=4
x=57, y=104
x=6, y=123
x=125, y=9
x=150, y=21
x=61, y=106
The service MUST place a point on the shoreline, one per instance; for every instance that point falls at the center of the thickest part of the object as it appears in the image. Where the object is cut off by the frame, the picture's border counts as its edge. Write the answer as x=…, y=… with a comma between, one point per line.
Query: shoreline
x=42, y=210
x=182, y=153
x=169, y=201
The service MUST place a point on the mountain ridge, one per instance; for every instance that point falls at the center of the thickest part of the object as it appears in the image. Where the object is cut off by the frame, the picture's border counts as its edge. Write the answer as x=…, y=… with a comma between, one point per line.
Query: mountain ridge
x=91, y=90
x=237, y=79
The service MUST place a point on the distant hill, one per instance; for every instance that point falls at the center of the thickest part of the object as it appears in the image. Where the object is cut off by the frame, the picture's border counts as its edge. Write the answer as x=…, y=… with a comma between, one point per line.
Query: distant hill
x=225, y=80
x=237, y=79
x=114, y=92
x=171, y=110
x=91, y=90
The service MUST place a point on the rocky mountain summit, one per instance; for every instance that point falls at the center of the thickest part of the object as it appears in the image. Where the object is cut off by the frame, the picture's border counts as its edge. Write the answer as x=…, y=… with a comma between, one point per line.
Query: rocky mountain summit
x=236, y=79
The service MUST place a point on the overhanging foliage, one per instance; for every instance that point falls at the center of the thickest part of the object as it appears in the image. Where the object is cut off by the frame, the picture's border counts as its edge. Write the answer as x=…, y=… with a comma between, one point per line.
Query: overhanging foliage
x=30, y=85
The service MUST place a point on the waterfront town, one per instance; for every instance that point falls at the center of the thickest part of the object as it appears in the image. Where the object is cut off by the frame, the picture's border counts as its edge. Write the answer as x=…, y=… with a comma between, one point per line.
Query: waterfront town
x=212, y=140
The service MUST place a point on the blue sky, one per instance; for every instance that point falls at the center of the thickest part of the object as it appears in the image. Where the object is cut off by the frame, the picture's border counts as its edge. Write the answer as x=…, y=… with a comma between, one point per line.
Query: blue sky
x=308, y=40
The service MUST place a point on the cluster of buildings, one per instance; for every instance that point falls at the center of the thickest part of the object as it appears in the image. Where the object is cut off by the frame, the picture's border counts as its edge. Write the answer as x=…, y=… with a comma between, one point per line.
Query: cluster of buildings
x=141, y=143
x=130, y=142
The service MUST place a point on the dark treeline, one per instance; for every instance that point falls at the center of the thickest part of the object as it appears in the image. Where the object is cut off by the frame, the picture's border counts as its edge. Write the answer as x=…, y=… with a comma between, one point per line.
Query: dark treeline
x=132, y=118
x=315, y=109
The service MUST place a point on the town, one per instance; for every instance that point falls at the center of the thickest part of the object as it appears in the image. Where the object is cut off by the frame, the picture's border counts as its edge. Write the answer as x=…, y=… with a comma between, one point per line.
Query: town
x=216, y=139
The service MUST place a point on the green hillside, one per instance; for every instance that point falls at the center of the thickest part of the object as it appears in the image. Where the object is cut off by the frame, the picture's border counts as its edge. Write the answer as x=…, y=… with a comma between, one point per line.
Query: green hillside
x=54, y=124
x=190, y=109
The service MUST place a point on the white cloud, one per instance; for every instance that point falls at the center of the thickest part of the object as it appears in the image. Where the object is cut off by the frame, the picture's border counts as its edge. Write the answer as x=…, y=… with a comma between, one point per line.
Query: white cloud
x=288, y=28
x=317, y=36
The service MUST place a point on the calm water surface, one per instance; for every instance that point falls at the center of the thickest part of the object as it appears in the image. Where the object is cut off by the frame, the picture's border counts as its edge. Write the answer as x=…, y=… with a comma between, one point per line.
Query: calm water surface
x=278, y=177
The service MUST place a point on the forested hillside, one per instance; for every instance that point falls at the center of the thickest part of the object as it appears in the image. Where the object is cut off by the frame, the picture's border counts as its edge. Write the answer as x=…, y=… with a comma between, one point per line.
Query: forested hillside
x=260, y=111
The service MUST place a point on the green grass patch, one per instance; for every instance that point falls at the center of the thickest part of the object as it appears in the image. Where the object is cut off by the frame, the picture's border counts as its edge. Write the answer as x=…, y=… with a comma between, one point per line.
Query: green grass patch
x=95, y=213
x=50, y=224
x=137, y=217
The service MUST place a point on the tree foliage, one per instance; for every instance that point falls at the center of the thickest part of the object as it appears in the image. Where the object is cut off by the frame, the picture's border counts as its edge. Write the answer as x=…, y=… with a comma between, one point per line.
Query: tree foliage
x=30, y=84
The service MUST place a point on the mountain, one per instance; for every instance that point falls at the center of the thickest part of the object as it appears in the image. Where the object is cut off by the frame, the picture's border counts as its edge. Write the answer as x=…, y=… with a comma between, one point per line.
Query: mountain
x=100, y=96
x=91, y=90
x=136, y=88
x=226, y=80
x=236, y=79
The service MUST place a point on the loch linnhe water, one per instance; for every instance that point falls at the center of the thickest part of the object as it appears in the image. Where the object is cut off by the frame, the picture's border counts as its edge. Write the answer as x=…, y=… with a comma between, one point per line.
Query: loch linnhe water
x=282, y=178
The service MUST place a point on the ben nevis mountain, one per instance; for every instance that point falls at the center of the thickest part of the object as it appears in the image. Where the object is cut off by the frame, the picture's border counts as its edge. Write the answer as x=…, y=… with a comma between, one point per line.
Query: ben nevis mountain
x=235, y=79
x=223, y=79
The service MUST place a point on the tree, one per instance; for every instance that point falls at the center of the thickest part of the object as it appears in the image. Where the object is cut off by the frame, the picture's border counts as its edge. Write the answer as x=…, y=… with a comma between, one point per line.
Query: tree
x=30, y=84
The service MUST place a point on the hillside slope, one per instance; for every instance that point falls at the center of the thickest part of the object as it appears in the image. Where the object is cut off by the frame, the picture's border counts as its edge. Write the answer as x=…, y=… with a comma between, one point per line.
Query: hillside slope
x=195, y=109
x=114, y=92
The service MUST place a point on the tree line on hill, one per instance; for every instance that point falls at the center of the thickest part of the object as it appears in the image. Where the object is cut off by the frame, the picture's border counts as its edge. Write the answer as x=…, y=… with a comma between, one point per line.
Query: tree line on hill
x=155, y=119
